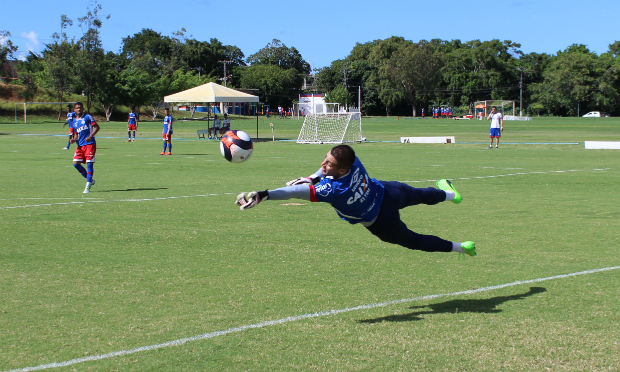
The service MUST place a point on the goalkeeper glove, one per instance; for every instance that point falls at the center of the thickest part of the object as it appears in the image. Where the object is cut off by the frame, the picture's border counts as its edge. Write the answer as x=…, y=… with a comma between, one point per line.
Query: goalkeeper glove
x=312, y=180
x=251, y=199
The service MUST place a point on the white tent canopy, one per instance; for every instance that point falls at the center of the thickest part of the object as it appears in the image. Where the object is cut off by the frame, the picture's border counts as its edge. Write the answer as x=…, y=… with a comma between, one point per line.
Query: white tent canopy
x=210, y=92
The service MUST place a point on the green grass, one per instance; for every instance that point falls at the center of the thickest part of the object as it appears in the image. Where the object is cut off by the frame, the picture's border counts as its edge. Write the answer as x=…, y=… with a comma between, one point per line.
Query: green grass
x=159, y=252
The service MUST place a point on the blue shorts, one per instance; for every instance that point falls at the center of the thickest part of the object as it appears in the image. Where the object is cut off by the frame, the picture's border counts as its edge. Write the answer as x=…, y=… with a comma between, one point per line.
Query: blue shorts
x=495, y=132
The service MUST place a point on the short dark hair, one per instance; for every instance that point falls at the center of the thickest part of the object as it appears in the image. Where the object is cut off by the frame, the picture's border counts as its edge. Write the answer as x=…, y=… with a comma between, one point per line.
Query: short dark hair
x=344, y=155
x=494, y=107
x=78, y=103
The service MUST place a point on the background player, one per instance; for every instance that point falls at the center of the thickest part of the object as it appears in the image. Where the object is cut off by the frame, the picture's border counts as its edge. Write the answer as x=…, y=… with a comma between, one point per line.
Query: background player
x=132, y=125
x=217, y=123
x=167, y=132
x=70, y=118
x=225, y=125
x=357, y=198
x=497, y=126
x=84, y=128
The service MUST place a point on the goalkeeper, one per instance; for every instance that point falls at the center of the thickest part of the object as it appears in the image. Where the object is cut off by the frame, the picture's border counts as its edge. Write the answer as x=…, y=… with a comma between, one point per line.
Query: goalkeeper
x=343, y=182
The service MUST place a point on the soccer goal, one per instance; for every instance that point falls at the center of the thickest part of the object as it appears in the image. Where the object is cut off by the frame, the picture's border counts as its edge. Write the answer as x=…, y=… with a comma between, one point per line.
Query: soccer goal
x=331, y=128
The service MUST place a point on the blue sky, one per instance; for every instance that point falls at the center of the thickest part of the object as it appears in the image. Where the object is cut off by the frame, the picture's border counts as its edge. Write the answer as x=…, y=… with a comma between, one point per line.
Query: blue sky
x=324, y=31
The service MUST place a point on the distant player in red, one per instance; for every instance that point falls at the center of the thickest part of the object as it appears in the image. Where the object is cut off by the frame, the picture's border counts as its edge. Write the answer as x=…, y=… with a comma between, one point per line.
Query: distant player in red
x=84, y=128
x=132, y=125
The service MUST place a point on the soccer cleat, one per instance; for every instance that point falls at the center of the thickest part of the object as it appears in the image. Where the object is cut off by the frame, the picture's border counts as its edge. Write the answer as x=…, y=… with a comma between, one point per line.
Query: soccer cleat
x=169, y=153
x=162, y=153
x=92, y=183
x=133, y=140
x=128, y=140
x=86, y=190
x=447, y=185
x=65, y=148
x=490, y=147
x=469, y=247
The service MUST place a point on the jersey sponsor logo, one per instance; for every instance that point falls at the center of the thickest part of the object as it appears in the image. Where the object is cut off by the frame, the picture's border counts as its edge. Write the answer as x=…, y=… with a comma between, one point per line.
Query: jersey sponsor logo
x=323, y=189
x=83, y=127
x=361, y=191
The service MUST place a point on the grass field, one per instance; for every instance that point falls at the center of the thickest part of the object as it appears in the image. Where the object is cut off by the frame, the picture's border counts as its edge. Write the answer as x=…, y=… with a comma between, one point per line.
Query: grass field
x=157, y=269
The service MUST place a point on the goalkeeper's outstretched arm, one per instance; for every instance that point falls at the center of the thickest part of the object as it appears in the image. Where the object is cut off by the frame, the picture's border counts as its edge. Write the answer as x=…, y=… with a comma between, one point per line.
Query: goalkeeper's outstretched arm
x=313, y=179
x=251, y=199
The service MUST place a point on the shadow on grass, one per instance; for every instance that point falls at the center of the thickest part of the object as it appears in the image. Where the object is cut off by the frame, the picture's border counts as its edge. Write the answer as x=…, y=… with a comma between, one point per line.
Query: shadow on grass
x=484, y=306
x=142, y=189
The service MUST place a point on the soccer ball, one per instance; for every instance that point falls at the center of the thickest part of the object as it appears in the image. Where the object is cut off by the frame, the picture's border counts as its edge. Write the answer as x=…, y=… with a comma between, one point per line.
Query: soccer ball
x=236, y=146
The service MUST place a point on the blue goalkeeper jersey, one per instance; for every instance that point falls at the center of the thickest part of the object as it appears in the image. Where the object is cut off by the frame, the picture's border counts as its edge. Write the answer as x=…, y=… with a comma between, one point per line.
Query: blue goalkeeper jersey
x=355, y=196
x=83, y=127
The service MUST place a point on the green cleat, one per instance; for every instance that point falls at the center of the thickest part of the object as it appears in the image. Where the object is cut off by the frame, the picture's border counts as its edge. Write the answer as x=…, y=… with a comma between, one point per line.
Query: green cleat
x=469, y=248
x=447, y=185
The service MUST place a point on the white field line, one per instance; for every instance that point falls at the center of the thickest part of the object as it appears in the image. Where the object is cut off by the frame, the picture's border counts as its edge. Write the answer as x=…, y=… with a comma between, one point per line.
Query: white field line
x=113, y=201
x=268, y=323
x=200, y=196
x=502, y=175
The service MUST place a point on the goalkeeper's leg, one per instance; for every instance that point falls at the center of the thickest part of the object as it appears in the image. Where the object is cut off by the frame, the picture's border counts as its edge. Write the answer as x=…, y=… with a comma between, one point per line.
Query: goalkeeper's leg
x=399, y=195
x=389, y=228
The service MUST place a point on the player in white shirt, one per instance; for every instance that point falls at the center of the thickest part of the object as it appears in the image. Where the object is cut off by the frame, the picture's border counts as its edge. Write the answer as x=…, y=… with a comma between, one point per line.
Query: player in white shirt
x=217, y=123
x=225, y=125
x=497, y=126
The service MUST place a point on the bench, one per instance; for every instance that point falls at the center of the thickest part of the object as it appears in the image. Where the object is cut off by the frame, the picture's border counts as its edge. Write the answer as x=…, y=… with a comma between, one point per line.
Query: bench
x=202, y=132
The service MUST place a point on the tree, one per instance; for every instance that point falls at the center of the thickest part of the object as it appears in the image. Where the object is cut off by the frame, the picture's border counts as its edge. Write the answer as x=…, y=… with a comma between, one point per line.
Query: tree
x=91, y=54
x=59, y=58
x=109, y=89
x=274, y=83
x=32, y=75
x=415, y=68
x=478, y=70
x=278, y=54
x=6, y=50
x=340, y=95
x=578, y=77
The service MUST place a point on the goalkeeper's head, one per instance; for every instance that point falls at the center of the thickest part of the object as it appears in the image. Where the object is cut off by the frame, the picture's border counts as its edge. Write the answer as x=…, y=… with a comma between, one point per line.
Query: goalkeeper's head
x=338, y=161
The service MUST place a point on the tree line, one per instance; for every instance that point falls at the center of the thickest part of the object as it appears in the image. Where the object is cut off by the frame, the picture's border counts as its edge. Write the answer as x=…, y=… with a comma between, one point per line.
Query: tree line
x=401, y=76
x=395, y=76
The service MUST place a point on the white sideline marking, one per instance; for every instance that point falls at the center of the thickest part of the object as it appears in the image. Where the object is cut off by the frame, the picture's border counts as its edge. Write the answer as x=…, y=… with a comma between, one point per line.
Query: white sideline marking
x=113, y=201
x=205, y=336
x=501, y=175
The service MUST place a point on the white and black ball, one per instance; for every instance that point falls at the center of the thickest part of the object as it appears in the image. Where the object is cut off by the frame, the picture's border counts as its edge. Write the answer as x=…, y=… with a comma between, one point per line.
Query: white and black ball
x=236, y=146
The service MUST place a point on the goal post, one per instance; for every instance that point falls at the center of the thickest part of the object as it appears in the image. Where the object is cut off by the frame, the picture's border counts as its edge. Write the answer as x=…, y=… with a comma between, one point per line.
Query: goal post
x=332, y=128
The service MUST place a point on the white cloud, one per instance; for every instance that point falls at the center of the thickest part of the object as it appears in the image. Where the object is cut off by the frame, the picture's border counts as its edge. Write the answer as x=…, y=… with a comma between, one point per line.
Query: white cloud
x=33, y=43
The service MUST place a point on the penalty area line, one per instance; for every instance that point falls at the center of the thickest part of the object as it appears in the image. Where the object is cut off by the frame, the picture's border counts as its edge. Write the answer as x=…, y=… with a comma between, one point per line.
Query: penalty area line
x=268, y=323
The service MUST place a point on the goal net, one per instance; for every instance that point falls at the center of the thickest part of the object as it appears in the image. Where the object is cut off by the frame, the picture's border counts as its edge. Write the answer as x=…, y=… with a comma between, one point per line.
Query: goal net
x=331, y=128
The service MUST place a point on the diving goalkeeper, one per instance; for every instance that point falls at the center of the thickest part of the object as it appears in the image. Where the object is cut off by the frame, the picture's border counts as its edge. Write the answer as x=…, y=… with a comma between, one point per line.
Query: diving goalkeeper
x=343, y=182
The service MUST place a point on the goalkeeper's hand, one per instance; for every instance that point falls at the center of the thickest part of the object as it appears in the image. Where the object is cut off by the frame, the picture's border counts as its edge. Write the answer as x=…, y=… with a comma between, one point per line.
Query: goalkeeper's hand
x=304, y=181
x=251, y=199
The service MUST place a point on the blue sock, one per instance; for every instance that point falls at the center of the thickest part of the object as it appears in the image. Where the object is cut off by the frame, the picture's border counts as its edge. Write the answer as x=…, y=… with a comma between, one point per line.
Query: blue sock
x=68, y=144
x=91, y=170
x=129, y=134
x=165, y=143
x=80, y=169
x=170, y=147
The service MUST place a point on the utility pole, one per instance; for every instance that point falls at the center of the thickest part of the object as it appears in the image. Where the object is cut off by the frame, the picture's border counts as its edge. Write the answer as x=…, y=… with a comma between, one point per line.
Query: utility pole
x=225, y=62
x=520, y=93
